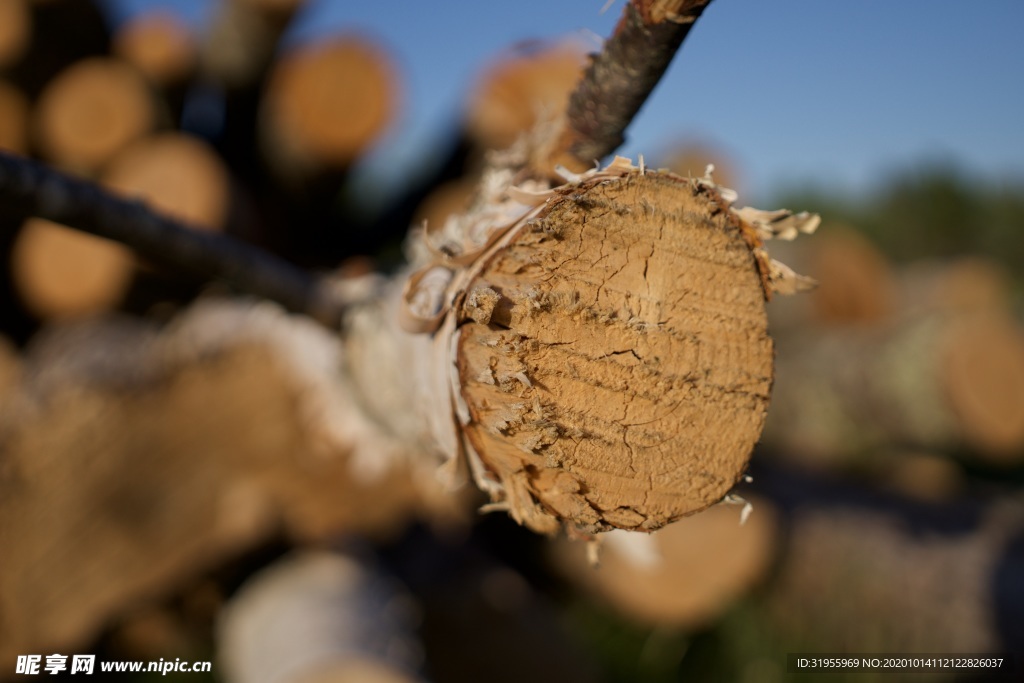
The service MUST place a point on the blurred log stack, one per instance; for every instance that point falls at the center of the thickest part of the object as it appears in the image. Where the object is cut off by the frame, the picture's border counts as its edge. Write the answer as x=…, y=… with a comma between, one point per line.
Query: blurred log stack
x=15, y=30
x=685, y=576
x=295, y=120
x=225, y=128
x=881, y=364
x=159, y=45
x=140, y=458
x=324, y=106
x=38, y=41
x=907, y=381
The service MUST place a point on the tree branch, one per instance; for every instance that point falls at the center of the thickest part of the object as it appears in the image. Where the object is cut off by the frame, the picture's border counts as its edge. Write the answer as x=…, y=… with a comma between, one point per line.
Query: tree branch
x=622, y=76
x=34, y=189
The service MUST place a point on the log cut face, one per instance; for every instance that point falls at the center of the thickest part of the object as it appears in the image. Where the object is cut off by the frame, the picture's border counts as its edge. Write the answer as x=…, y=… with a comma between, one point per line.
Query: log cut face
x=614, y=356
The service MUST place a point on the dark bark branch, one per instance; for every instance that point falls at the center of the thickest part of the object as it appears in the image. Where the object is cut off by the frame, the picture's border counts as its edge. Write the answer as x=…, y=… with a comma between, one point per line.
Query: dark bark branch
x=622, y=76
x=36, y=190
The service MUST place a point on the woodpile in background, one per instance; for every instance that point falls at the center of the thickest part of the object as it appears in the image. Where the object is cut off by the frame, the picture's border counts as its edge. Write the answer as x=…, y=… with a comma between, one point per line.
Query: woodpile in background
x=131, y=107
x=159, y=45
x=874, y=570
x=137, y=459
x=60, y=272
x=177, y=174
x=325, y=104
x=926, y=357
x=684, y=576
x=14, y=119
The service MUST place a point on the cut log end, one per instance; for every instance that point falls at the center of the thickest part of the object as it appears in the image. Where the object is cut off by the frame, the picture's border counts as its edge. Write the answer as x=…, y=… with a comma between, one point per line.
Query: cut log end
x=178, y=174
x=622, y=378
x=856, y=283
x=327, y=103
x=159, y=45
x=517, y=92
x=60, y=272
x=91, y=111
x=15, y=30
x=14, y=118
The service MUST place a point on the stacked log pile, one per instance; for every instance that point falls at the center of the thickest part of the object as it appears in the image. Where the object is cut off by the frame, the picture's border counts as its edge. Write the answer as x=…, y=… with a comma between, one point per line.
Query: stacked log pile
x=894, y=441
x=131, y=108
x=161, y=460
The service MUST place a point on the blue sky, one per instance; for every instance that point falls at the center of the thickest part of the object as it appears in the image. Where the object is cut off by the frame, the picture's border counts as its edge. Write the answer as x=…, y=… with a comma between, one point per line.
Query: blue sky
x=794, y=91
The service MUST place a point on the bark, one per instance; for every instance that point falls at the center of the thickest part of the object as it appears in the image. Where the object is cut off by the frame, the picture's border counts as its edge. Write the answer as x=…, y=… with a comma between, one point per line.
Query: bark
x=36, y=190
x=178, y=175
x=621, y=77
